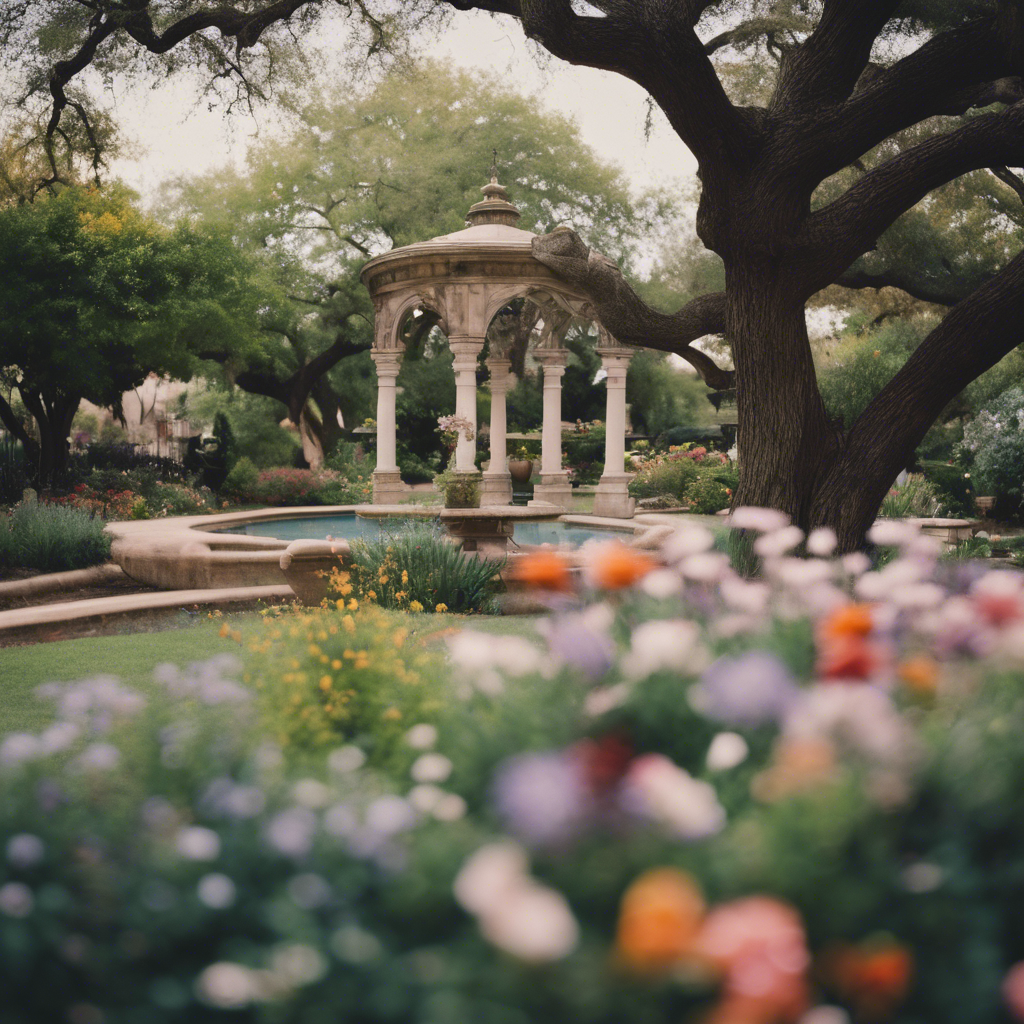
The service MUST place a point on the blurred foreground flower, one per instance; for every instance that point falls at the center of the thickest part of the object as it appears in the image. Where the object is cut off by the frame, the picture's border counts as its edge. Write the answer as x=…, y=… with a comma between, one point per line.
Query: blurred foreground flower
x=613, y=566
x=659, y=920
x=542, y=570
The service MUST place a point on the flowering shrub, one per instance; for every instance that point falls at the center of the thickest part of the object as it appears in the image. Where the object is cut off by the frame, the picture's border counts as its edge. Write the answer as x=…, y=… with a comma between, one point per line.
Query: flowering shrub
x=419, y=569
x=694, y=797
x=693, y=476
x=113, y=504
x=994, y=441
x=324, y=676
x=179, y=500
x=307, y=487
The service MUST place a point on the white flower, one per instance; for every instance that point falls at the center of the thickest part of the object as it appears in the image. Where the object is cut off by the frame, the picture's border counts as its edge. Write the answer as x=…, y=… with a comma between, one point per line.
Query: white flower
x=451, y=807
x=197, y=843
x=19, y=747
x=605, y=699
x=489, y=877
x=743, y=595
x=665, y=792
x=16, y=899
x=473, y=652
x=661, y=584
x=705, y=568
x=58, y=736
x=917, y=595
x=341, y=821
x=228, y=986
x=778, y=542
x=25, y=849
x=291, y=832
x=431, y=768
x=216, y=891
x=390, y=814
x=892, y=532
x=535, y=924
x=425, y=798
x=822, y=541
x=297, y=964
x=422, y=736
x=727, y=750
x=660, y=645
x=101, y=757
x=311, y=793
x=800, y=573
x=346, y=759
x=765, y=520
x=687, y=540
x=856, y=563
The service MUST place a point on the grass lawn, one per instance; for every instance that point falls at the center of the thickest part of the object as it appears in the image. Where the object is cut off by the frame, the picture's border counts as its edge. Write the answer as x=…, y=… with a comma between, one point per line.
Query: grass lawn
x=132, y=657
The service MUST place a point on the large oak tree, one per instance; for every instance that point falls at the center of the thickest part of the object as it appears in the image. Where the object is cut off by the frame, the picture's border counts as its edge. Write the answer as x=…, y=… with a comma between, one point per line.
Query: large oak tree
x=851, y=75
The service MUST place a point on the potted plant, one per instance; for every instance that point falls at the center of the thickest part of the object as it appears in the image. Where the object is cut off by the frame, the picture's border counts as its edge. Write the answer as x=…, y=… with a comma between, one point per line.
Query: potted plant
x=460, y=490
x=520, y=465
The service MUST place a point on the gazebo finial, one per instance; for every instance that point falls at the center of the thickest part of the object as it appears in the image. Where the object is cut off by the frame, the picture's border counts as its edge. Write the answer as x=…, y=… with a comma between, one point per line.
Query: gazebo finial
x=495, y=207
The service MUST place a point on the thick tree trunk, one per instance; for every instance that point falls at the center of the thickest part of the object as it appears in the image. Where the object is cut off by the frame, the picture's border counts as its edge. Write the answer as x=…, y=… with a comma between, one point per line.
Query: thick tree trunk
x=784, y=437
x=53, y=418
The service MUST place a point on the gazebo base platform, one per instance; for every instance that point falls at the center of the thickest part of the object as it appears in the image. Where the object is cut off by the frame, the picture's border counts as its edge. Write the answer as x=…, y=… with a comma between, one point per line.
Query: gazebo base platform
x=553, y=489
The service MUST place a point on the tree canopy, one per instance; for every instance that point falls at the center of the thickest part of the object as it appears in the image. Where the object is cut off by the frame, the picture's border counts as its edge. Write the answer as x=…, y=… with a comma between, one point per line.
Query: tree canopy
x=96, y=296
x=359, y=176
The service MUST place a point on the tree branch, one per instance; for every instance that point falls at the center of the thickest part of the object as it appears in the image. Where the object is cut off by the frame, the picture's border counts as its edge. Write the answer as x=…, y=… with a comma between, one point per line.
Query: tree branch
x=617, y=306
x=947, y=294
x=1007, y=177
x=848, y=227
x=949, y=74
x=826, y=67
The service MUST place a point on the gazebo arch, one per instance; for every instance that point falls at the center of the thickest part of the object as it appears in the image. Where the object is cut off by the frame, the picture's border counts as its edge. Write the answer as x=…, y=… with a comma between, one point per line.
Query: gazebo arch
x=465, y=278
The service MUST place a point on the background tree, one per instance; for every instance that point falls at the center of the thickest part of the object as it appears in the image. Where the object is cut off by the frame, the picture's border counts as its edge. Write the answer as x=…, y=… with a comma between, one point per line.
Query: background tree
x=95, y=297
x=357, y=177
x=849, y=77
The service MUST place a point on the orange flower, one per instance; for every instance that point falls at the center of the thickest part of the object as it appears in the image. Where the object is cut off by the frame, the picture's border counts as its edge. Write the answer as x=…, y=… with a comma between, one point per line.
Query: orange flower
x=920, y=674
x=613, y=566
x=659, y=920
x=543, y=570
x=873, y=976
x=798, y=766
x=850, y=620
x=848, y=656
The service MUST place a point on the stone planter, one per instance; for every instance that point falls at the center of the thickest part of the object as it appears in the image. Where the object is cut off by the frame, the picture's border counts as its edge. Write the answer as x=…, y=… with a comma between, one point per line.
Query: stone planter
x=307, y=565
x=985, y=504
x=520, y=470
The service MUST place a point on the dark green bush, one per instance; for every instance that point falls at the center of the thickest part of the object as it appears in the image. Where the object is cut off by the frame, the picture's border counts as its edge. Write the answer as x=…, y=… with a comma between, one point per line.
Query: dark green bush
x=13, y=469
x=51, y=538
x=419, y=568
x=953, y=487
x=584, y=454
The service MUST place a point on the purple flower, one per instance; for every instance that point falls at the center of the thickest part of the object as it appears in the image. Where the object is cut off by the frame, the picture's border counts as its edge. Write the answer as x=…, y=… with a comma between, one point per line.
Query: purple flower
x=749, y=690
x=576, y=641
x=543, y=798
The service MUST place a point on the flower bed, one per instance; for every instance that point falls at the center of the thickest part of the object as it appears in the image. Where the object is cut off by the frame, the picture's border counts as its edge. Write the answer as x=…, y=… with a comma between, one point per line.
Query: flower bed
x=697, y=797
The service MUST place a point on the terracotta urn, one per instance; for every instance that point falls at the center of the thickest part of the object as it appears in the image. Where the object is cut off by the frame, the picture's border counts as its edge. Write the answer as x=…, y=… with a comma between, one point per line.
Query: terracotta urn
x=520, y=470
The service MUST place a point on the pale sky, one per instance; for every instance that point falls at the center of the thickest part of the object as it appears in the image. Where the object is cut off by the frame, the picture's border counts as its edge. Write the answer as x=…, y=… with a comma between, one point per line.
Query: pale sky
x=180, y=135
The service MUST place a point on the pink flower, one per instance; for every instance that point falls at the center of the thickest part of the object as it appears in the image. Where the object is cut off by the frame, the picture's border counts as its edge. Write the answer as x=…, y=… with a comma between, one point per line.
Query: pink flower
x=1013, y=990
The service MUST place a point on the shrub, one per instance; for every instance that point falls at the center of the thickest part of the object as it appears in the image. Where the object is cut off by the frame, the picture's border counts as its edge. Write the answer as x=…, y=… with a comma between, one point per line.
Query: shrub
x=708, y=495
x=584, y=453
x=337, y=674
x=953, y=488
x=123, y=456
x=243, y=478
x=179, y=500
x=303, y=487
x=994, y=441
x=460, y=490
x=663, y=476
x=915, y=497
x=14, y=473
x=419, y=569
x=51, y=538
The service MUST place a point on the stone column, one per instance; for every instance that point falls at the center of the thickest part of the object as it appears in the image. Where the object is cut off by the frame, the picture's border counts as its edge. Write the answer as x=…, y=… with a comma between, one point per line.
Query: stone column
x=612, y=498
x=554, y=488
x=497, y=484
x=466, y=351
x=388, y=488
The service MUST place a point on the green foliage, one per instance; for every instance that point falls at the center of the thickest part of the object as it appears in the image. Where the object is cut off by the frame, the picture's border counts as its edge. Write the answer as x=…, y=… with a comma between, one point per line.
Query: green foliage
x=51, y=538
x=428, y=392
x=994, y=440
x=13, y=470
x=953, y=487
x=460, y=490
x=419, y=568
x=864, y=364
x=584, y=453
x=243, y=477
x=524, y=404
x=660, y=397
x=663, y=476
x=974, y=547
x=916, y=497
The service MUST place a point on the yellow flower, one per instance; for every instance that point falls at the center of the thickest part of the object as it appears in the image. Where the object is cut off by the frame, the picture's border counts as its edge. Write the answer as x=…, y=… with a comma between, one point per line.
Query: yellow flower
x=442, y=607
x=353, y=605
x=415, y=606
x=371, y=595
x=349, y=623
x=325, y=682
x=392, y=714
x=405, y=576
x=336, y=664
x=383, y=579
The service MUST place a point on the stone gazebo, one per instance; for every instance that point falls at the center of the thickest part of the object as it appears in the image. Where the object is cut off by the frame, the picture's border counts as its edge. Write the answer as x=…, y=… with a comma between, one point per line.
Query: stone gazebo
x=465, y=279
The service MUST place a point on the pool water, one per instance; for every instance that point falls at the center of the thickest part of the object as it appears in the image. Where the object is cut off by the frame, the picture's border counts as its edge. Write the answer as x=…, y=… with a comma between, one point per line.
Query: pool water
x=353, y=527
